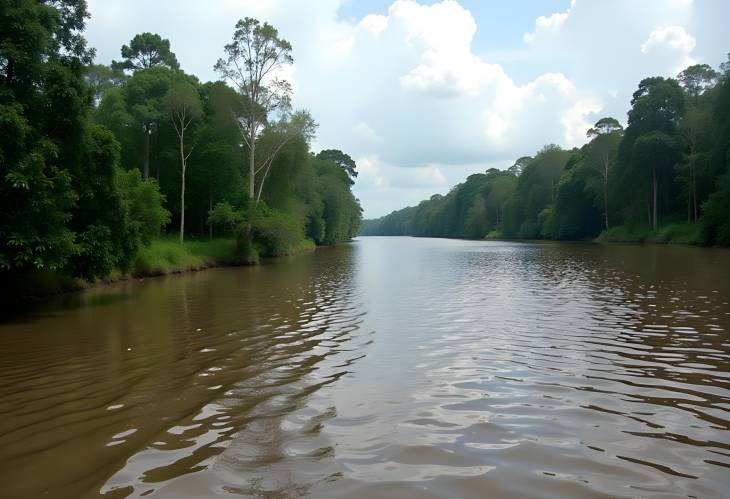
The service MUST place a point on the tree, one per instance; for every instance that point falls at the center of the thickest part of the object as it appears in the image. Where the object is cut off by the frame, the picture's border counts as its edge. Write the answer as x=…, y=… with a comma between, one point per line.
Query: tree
x=725, y=66
x=146, y=50
x=694, y=128
x=342, y=160
x=574, y=215
x=519, y=165
x=252, y=59
x=657, y=106
x=182, y=105
x=102, y=78
x=604, y=126
x=134, y=113
x=300, y=124
x=697, y=78
x=43, y=104
x=659, y=152
x=605, y=137
x=143, y=204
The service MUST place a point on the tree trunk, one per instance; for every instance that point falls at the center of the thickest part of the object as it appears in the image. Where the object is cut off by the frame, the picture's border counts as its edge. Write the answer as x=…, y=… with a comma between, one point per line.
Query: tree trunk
x=689, y=208
x=210, y=208
x=605, y=190
x=182, y=188
x=252, y=166
x=648, y=206
x=654, y=195
x=694, y=193
x=146, y=159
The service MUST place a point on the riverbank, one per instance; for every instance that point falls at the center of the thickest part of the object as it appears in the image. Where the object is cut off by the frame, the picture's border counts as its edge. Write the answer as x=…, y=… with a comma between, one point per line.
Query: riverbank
x=168, y=256
x=673, y=233
x=164, y=256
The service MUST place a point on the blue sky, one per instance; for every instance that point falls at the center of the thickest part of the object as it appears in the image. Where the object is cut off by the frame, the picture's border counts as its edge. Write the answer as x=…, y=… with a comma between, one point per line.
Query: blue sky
x=424, y=93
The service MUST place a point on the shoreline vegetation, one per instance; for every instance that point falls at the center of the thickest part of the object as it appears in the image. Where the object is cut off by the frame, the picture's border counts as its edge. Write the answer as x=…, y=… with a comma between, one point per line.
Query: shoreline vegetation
x=670, y=233
x=138, y=168
x=162, y=257
x=664, y=178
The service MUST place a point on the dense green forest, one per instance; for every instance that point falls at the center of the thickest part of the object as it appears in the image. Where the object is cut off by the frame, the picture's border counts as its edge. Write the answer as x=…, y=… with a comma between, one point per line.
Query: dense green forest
x=664, y=178
x=99, y=162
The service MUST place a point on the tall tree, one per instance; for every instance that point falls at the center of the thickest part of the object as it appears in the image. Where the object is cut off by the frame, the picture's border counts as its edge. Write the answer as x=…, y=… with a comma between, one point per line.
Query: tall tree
x=725, y=66
x=279, y=134
x=658, y=152
x=694, y=128
x=657, y=106
x=43, y=101
x=182, y=105
x=605, y=136
x=342, y=160
x=252, y=59
x=697, y=78
x=146, y=50
x=519, y=165
x=102, y=78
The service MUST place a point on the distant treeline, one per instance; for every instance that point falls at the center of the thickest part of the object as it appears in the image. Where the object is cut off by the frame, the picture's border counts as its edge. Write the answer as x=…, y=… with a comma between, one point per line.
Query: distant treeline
x=97, y=161
x=665, y=177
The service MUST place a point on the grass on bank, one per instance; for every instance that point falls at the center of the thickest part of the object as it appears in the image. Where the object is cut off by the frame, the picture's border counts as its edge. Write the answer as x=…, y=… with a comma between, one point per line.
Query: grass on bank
x=168, y=256
x=672, y=233
x=163, y=256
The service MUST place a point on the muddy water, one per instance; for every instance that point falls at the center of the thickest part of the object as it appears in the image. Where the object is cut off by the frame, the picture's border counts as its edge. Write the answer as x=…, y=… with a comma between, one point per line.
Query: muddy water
x=390, y=367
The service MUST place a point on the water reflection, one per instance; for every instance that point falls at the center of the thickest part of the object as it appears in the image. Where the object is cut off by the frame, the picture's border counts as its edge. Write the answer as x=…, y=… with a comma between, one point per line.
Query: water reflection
x=392, y=367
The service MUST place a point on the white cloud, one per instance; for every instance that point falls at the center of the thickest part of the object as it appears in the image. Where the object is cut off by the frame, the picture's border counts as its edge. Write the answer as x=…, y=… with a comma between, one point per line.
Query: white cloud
x=545, y=25
x=672, y=44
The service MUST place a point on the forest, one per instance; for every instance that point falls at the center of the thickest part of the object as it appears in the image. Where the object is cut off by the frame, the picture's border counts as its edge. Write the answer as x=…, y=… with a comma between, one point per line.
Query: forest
x=665, y=177
x=138, y=167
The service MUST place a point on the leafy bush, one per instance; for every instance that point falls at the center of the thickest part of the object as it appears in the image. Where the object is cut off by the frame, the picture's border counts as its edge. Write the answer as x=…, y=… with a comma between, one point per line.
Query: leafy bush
x=144, y=204
x=225, y=216
x=276, y=233
x=715, y=228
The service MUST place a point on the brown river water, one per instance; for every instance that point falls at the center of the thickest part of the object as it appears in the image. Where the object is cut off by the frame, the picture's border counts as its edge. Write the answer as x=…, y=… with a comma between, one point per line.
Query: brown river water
x=384, y=368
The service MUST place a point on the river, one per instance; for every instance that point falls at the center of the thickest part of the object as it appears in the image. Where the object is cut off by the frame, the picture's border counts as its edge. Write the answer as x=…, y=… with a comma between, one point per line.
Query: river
x=388, y=367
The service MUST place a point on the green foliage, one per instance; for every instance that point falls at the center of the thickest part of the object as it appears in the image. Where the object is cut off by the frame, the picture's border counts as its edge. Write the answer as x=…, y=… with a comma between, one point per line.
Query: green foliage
x=99, y=218
x=276, y=233
x=716, y=218
x=697, y=78
x=574, y=215
x=102, y=79
x=146, y=50
x=536, y=188
x=144, y=206
x=43, y=104
x=168, y=256
x=228, y=218
x=342, y=160
x=672, y=233
x=470, y=210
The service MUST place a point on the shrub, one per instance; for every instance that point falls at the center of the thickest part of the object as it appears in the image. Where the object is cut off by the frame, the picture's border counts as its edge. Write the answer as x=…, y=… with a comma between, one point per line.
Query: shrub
x=715, y=221
x=276, y=233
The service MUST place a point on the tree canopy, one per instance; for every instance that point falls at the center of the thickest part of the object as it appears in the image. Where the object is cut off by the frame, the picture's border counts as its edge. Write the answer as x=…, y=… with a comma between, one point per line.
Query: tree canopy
x=145, y=51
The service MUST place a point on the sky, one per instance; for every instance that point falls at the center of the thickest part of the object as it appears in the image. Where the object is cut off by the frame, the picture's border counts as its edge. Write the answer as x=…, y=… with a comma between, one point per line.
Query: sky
x=424, y=93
